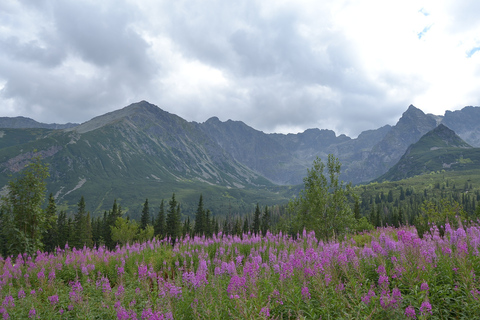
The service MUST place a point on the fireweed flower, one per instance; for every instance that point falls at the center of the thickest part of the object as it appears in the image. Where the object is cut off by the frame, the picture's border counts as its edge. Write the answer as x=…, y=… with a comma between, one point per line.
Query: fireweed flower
x=424, y=287
x=32, y=313
x=8, y=302
x=305, y=293
x=410, y=312
x=236, y=286
x=425, y=308
x=21, y=294
x=53, y=300
x=265, y=312
x=368, y=296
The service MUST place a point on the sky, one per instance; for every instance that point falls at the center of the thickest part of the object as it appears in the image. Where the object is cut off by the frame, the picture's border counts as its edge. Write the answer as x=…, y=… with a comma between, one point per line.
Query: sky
x=278, y=65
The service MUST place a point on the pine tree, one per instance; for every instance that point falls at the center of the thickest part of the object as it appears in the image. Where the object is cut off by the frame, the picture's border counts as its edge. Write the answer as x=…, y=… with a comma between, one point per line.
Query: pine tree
x=145, y=216
x=83, y=227
x=265, y=221
x=208, y=224
x=245, y=225
x=112, y=216
x=160, y=228
x=256, y=220
x=51, y=233
x=62, y=229
x=200, y=218
x=173, y=220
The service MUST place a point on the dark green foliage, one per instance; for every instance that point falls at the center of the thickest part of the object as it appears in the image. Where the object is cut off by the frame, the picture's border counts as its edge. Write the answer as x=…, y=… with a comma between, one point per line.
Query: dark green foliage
x=265, y=224
x=26, y=221
x=83, y=228
x=160, y=228
x=200, y=221
x=323, y=204
x=112, y=216
x=145, y=215
x=256, y=221
x=50, y=237
x=63, y=229
x=173, y=219
x=246, y=225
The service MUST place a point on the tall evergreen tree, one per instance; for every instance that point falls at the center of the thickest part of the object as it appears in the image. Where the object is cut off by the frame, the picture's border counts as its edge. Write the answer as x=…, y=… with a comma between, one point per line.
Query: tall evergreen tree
x=265, y=224
x=51, y=233
x=160, y=228
x=256, y=220
x=83, y=227
x=112, y=216
x=173, y=220
x=62, y=229
x=209, y=224
x=245, y=225
x=200, y=218
x=145, y=216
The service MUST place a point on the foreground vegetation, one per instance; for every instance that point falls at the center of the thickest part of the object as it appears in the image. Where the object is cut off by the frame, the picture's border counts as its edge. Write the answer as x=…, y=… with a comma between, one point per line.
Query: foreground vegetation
x=387, y=273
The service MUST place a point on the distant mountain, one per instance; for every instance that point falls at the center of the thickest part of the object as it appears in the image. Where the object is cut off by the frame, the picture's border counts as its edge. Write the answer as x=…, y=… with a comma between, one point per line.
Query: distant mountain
x=439, y=149
x=24, y=123
x=137, y=152
x=465, y=123
x=141, y=151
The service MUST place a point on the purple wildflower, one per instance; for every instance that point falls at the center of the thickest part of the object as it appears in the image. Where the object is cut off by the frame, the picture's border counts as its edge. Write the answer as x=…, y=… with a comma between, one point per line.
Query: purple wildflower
x=21, y=294
x=424, y=286
x=410, y=312
x=305, y=293
x=265, y=312
x=425, y=308
x=53, y=300
x=32, y=313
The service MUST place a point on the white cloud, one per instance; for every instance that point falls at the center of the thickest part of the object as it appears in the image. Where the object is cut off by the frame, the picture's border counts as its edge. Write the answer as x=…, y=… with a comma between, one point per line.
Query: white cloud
x=276, y=65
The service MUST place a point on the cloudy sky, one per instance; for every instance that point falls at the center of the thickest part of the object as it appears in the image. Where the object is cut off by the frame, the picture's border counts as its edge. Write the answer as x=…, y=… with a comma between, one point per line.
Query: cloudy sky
x=278, y=65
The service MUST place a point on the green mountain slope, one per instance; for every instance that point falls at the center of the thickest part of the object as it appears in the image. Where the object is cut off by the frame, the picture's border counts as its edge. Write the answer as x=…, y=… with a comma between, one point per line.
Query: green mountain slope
x=439, y=149
x=140, y=152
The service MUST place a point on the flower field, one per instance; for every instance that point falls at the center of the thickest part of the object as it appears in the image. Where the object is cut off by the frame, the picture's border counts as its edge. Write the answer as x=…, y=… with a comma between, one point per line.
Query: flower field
x=386, y=274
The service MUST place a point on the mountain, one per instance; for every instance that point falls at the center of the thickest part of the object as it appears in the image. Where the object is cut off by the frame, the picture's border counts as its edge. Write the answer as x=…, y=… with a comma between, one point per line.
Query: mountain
x=465, y=123
x=439, y=149
x=137, y=152
x=23, y=123
x=141, y=151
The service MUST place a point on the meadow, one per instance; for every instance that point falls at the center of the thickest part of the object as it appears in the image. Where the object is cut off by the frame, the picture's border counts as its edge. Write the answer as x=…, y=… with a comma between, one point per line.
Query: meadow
x=389, y=273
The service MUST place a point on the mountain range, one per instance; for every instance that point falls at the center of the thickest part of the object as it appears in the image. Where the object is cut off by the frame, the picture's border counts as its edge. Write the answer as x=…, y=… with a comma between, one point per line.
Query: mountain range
x=141, y=151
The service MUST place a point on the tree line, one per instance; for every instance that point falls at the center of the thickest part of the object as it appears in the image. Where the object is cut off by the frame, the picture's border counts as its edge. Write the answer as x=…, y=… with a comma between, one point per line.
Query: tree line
x=326, y=205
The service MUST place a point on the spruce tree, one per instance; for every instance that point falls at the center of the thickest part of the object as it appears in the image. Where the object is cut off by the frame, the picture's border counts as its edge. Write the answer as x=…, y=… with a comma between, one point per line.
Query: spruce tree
x=200, y=218
x=51, y=233
x=160, y=227
x=145, y=216
x=265, y=221
x=173, y=220
x=112, y=216
x=245, y=225
x=83, y=227
x=256, y=220
x=208, y=224
x=62, y=229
